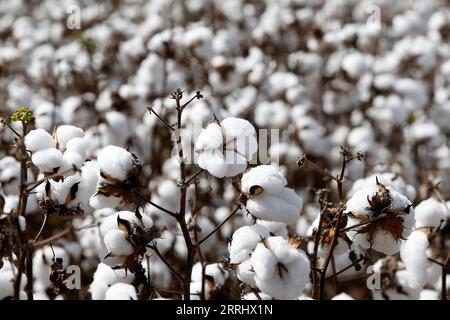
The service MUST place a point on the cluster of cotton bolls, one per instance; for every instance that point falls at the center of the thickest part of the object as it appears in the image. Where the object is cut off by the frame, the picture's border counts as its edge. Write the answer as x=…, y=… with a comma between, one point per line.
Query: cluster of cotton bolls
x=101, y=168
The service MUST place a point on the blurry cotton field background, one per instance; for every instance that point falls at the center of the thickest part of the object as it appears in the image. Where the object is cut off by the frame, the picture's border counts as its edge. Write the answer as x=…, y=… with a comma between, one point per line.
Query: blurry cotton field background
x=134, y=164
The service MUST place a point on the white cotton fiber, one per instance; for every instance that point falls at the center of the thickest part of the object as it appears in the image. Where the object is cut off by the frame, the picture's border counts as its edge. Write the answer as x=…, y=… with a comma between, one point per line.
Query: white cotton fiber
x=65, y=133
x=121, y=291
x=37, y=140
x=117, y=244
x=115, y=161
x=244, y=241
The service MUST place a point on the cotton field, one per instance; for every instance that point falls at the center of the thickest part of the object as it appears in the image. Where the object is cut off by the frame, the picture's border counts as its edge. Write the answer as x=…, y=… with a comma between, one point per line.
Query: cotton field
x=225, y=150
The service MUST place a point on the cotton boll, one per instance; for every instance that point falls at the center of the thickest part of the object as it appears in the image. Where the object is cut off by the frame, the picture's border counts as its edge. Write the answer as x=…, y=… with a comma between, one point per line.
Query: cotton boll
x=37, y=140
x=244, y=240
x=104, y=278
x=121, y=291
x=268, y=198
x=65, y=133
x=110, y=222
x=115, y=161
x=48, y=160
x=280, y=271
x=117, y=244
x=225, y=152
x=414, y=256
x=430, y=213
x=385, y=234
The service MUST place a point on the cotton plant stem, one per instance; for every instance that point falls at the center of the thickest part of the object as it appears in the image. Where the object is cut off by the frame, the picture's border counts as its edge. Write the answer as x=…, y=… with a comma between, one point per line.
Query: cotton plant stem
x=314, y=258
x=159, y=254
x=26, y=257
x=328, y=258
x=218, y=226
x=334, y=275
x=341, y=207
x=42, y=227
x=181, y=217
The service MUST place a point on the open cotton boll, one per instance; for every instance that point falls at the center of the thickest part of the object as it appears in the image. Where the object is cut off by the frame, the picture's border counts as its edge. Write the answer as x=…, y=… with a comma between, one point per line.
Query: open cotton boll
x=121, y=291
x=244, y=241
x=117, y=244
x=268, y=198
x=49, y=160
x=110, y=222
x=65, y=133
x=37, y=140
x=430, y=213
x=115, y=162
x=280, y=271
x=414, y=255
x=224, y=149
x=395, y=213
x=105, y=277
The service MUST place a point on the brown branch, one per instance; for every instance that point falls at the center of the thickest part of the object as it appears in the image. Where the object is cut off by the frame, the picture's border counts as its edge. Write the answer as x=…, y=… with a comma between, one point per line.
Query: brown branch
x=159, y=254
x=218, y=226
x=162, y=119
x=345, y=269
